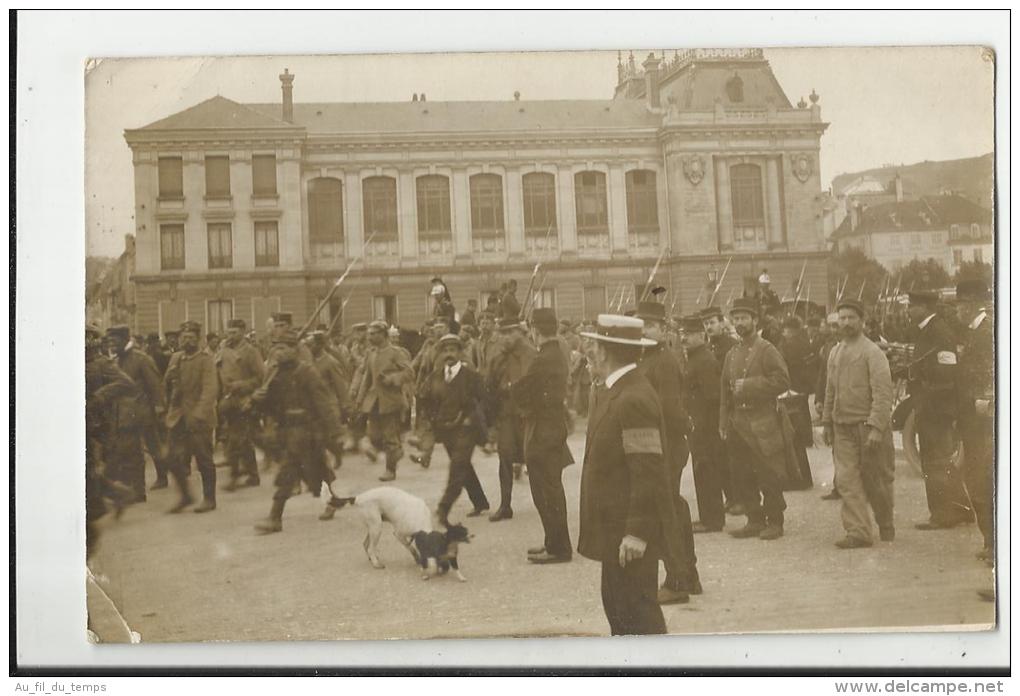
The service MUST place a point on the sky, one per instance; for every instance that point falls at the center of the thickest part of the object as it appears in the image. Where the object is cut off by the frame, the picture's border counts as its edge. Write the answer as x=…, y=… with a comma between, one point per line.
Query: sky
x=884, y=105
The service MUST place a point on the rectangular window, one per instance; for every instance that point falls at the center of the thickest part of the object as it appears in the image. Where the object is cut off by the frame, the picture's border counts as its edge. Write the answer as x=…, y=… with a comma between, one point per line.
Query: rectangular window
x=642, y=202
x=433, y=205
x=539, y=203
x=263, y=175
x=217, y=177
x=592, y=208
x=957, y=257
x=954, y=232
x=978, y=256
x=267, y=243
x=385, y=307
x=171, y=247
x=379, y=195
x=325, y=210
x=546, y=297
x=219, y=312
x=221, y=254
x=975, y=231
x=171, y=177
x=594, y=301
x=486, y=204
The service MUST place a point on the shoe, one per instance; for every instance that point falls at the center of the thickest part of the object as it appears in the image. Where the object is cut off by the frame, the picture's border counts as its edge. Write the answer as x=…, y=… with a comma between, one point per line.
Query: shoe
x=737, y=510
x=771, y=532
x=269, y=526
x=418, y=459
x=702, y=528
x=545, y=558
x=832, y=495
x=933, y=524
x=695, y=588
x=751, y=529
x=159, y=483
x=206, y=506
x=668, y=595
x=536, y=550
x=887, y=533
x=327, y=514
x=251, y=482
x=184, y=502
x=501, y=514
x=852, y=542
x=388, y=475
x=478, y=512
x=986, y=595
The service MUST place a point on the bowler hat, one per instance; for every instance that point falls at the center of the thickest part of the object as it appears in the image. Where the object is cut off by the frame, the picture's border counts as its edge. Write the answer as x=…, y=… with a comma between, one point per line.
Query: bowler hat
x=853, y=304
x=651, y=311
x=615, y=328
x=744, y=305
x=544, y=317
x=693, y=323
x=924, y=297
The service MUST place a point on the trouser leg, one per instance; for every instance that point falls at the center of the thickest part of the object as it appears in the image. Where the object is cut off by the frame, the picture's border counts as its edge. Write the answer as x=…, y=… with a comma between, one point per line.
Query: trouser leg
x=456, y=478
x=153, y=443
x=878, y=475
x=200, y=443
x=849, y=456
x=128, y=460
x=979, y=472
x=707, y=483
x=745, y=481
x=947, y=500
x=546, y=482
x=629, y=596
x=509, y=453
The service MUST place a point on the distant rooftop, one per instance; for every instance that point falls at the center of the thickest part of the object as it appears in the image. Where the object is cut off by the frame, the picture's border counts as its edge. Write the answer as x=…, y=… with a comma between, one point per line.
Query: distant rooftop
x=927, y=212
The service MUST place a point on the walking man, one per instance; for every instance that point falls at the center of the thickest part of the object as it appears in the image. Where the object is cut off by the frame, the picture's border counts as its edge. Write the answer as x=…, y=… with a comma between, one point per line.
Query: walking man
x=857, y=415
x=625, y=499
x=241, y=372
x=381, y=395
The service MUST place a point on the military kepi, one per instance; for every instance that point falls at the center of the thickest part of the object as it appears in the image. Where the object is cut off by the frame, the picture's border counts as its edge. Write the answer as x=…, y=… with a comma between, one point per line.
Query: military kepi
x=693, y=323
x=191, y=327
x=744, y=305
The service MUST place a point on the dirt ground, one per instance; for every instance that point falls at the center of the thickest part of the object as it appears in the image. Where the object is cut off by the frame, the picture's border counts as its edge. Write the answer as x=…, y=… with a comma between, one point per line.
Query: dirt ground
x=190, y=578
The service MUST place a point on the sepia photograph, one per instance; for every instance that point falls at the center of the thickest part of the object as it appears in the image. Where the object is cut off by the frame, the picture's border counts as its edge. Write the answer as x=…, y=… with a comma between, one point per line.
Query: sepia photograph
x=695, y=340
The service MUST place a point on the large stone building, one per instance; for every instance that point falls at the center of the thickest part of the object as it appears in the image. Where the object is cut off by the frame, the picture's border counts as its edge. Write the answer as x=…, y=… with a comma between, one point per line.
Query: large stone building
x=244, y=209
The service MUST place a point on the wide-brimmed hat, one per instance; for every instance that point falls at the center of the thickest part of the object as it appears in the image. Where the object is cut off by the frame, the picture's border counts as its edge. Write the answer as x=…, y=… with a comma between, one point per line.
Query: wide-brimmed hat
x=651, y=311
x=616, y=328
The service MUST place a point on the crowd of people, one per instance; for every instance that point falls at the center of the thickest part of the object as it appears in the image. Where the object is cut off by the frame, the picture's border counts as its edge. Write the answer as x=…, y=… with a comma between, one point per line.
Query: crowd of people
x=731, y=392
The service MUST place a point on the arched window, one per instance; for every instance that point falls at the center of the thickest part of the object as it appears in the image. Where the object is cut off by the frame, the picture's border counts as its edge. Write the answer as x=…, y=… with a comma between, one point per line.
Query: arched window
x=325, y=210
x=433, y=205
x=642, y=202
x=379, y=195
x=592, y=209
x=748, y=206
x=539, y=203
x=486, y=204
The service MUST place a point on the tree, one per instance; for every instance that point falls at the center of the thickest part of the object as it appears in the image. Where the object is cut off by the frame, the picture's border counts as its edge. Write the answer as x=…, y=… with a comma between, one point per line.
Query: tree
x=975, y=270
x=852, y=270
x=924, y=275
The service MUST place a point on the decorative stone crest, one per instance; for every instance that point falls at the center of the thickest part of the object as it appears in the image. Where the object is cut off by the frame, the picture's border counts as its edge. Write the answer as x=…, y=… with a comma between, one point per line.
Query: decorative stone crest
x=803, y=167
x=694, y=168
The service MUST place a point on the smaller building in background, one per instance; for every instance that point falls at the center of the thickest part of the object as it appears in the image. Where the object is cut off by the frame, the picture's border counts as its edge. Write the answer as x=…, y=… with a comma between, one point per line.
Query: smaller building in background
x=948, y=228
x=111, y=299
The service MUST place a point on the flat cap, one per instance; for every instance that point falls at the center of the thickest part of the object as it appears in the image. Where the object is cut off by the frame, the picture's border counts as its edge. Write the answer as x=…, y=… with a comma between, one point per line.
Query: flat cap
x=449, y=339
x=191, y=327
x=851, y=303
x=379, y=325
x=710, y=312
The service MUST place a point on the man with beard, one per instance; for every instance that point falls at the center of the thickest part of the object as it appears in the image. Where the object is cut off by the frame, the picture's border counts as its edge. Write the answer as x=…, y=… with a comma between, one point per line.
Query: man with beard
x=720, y=342
x=191, y=387
x=857, y=415
x=452, y=394
x=137, y=417
x=932, y=384
x=307, y=418
x=381, y=395
x=660, y=367
x=626, y=507
x=540, y=394
x=241, y=372
x=753, y=376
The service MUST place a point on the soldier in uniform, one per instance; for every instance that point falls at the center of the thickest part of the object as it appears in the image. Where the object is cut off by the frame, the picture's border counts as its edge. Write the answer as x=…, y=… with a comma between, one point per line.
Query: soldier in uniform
x=659, y=365
x=932, y=384
x=626, y=506
x=359, y=348
x=977, y=405
x=540, y=394
x=282, y=323
x=720, y=342
x=332, y=374
x=137, y=417
x=299, y=401
x=452, y=395
x=241, y=372
x=155, y=351
x=510, y=361
x=753, y=376
x=701, y=402
x=191, y=388
x=381, y=395
x=422, y=366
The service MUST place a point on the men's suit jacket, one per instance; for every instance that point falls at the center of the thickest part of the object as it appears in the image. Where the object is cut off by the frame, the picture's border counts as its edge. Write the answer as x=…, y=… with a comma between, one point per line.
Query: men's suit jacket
x=540, y=395
x=387, y=369
x=624, y=486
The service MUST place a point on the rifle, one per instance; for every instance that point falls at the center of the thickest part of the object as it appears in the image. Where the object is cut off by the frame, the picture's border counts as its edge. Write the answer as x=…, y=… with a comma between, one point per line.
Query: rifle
x=339, y=314
x=800, y=283
x=527, y=295
x=538, y=294
x=861, y=293
x=719, y=284
x=651, y=276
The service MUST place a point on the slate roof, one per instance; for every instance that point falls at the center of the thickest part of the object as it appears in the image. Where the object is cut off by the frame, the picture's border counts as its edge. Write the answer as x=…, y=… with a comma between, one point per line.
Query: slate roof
x=927, y=212
x=218, y=112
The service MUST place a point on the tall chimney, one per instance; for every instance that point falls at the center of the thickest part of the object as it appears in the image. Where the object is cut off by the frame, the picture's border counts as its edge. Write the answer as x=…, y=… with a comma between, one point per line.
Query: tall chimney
x=899, y=188
x=651, y=66
x=287, y=85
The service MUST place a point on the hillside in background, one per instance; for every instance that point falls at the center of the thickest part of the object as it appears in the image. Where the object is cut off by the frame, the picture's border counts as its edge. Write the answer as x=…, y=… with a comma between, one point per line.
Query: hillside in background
x=973, y=178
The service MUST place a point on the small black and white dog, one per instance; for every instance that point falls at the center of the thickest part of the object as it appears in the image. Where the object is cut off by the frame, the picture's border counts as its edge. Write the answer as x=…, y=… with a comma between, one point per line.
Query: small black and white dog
x=435, y=552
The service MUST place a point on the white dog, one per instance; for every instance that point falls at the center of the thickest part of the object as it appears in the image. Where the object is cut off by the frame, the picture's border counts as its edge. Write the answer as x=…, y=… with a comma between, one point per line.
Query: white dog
x=435, y=552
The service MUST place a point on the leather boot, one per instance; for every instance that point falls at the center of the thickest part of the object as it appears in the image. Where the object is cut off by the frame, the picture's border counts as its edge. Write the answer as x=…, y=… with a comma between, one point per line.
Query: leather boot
x=273, y=523
x=751, y=529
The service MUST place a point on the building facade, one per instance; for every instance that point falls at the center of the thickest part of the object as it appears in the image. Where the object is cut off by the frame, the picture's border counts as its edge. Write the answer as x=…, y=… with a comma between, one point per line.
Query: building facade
x=111, y=299
x=698, y=160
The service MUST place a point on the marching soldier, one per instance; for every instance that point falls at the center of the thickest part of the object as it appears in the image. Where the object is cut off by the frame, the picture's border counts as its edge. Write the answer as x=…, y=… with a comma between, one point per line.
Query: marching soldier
x=422, y=366
x=137, y=417
x=332, y=374
x=659, y=365
x=381, y=396
x=241, y=372
x=753, y=376
x=510, y=362
x=359, y=349
x=977, y=406
x=306, y=415
x=282, y=323
x=701, y=402
x=540, y=394
x=626, y=507
x=191, y=387
x=932, y=382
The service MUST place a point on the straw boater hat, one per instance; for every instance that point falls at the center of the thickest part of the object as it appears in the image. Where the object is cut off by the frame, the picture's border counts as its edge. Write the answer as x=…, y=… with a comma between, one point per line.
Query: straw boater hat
x=614, y=328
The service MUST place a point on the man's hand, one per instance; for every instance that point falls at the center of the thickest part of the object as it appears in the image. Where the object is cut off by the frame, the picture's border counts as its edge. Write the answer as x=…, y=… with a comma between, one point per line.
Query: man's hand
x=723, y=432
x=874, y=440
x=827, y=434
x=259, y=395
x=631, y=549
x=738, y=386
